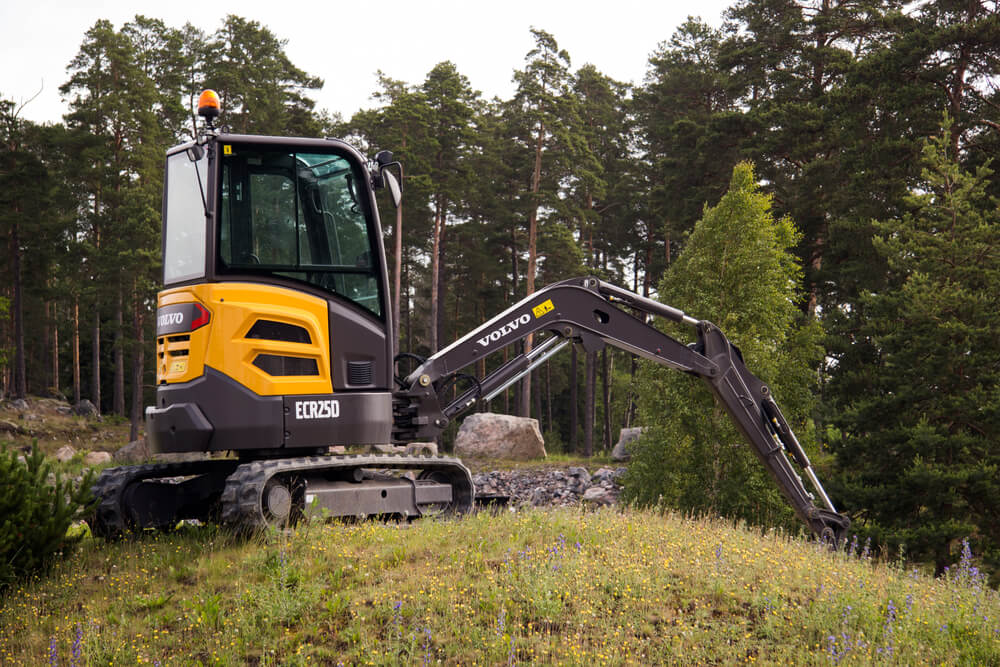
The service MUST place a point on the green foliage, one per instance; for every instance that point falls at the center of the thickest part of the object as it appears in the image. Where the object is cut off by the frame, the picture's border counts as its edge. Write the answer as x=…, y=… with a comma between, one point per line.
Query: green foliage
x=919, y=449
x=35, y=514
x=737, y=270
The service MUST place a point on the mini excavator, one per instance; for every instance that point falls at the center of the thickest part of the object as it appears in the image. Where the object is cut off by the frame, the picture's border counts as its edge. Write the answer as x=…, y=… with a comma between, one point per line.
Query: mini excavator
x=274, y=343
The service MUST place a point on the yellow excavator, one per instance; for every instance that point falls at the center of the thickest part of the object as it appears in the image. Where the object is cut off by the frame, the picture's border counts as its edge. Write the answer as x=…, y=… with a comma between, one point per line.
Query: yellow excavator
x=273, y=343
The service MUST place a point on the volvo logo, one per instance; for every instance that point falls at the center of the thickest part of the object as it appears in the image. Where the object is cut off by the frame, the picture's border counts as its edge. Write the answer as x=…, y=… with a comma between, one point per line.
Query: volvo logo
x=504, y=331
x=169, y=319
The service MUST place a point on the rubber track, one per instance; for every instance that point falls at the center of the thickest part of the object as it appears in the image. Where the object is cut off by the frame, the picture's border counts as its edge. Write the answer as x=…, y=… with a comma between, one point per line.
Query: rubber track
x=109, y=517
x=241, y=498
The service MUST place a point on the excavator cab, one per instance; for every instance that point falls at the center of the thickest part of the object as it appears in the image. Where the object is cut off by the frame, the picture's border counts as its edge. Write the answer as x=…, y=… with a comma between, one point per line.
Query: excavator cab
x=273, y=325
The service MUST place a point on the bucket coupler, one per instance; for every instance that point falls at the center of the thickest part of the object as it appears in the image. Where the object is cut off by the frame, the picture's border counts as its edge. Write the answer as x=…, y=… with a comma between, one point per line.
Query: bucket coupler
x=590, y=312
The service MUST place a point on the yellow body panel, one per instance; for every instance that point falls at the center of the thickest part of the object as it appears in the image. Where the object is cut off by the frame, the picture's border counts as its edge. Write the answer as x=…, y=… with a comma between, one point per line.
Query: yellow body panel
x=222, y=344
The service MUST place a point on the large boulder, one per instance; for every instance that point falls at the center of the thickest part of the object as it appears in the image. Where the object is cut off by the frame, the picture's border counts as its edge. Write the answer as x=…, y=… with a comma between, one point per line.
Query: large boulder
x=627, y=435
x=85, y=409
x=487, y=435
x=97, y=458
x=65, y=453
x=136, y=451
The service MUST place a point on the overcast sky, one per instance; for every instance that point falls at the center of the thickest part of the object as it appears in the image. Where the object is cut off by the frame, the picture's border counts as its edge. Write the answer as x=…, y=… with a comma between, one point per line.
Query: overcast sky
x=346, y=42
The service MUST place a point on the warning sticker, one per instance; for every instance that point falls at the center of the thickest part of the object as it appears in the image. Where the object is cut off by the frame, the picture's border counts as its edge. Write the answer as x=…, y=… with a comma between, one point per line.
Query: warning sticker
x=227, y=149
x=542, y=308
x=178, y=367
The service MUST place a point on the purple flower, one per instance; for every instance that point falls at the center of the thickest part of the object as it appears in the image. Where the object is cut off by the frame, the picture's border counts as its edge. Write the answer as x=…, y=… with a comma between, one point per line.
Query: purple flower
x=77, y=646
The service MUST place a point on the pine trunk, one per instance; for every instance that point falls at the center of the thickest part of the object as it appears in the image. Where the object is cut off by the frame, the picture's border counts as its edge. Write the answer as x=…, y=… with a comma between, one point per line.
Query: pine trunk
x=442, y=297
x=76, y=351
x=20, y=384
x=548, y=397
x=55, y=347
x=435, y=268
x=536, y=178
x=590, y=386
x=607, y=364
x=95, y=378
x=573, y=409
x=118, y=390
x=537, y=400
x=138, y=364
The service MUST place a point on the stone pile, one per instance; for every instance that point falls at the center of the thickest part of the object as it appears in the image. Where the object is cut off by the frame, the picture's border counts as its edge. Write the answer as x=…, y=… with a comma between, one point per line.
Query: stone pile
x=551, y=488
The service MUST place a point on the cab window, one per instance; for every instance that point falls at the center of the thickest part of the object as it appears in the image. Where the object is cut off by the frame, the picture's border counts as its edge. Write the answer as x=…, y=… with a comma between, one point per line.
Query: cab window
x=298, y=216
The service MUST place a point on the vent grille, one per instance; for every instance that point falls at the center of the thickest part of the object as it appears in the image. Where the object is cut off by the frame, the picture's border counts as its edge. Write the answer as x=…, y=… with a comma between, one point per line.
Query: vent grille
x=359, y=372
x=274, y=364
x=271, y=330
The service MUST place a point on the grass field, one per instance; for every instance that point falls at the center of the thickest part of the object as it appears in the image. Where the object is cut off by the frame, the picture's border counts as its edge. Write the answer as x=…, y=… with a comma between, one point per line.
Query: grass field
x=541, y=587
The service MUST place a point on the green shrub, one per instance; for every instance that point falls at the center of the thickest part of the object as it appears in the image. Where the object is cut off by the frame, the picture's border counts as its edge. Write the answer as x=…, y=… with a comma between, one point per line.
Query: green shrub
x=35, y=513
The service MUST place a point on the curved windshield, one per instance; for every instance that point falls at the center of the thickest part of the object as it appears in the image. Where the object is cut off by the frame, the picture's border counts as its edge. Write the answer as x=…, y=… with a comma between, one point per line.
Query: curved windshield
x=299, y=216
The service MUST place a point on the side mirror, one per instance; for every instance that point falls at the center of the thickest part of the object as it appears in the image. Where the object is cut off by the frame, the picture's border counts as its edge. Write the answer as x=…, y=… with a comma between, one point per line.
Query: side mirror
x=395, y=190
x=389, y=173
x=195, y=153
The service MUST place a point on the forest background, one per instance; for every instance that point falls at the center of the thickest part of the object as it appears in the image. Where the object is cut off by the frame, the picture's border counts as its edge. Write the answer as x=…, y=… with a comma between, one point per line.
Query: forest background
x=870, y=125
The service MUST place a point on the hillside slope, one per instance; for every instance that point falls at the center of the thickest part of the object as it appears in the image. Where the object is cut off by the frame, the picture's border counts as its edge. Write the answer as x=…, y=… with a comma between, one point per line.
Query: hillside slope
x=558, y=587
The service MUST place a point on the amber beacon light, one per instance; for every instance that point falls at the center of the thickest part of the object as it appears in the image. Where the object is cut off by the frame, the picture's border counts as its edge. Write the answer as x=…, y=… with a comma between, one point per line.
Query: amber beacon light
x=208, y=105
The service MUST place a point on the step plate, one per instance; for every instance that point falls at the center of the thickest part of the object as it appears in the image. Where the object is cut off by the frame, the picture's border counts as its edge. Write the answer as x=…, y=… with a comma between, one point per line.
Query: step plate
x=401, y=496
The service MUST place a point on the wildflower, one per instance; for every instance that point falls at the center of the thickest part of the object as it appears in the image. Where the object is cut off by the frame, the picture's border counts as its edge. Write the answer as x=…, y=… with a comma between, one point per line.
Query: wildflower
x=77, y=644
x=397, y=617
x=427, y=646
x=53, y=653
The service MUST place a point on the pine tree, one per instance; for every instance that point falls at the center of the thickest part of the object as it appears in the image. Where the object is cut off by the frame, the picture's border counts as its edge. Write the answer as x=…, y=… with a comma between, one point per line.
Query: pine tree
x=919, y=454
x=543, y=113
x=738, y=271
x=261, y=91
x=451, y=103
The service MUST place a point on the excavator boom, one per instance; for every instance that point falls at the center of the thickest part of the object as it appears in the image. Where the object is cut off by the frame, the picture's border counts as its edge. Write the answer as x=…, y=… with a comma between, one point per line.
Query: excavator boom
x=591, y=312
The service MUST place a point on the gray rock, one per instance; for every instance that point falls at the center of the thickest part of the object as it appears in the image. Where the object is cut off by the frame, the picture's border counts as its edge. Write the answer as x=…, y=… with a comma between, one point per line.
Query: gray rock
x=10, y=427
x=627, y=435
x=549, y=488
x=607, y=475
x=136, y=451
x=599, y=495
x=580, y=474
x=65, y=453
x=96, y=458
x=85, y=409
x=19, y=404
x=488, y=435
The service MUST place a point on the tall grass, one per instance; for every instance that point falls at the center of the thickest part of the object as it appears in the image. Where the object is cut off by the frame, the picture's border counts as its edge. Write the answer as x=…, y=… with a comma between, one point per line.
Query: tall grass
x=556, y=587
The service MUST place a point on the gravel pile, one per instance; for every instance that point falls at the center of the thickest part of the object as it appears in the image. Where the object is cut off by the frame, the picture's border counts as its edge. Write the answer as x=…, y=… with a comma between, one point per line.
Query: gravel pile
x=551, y=488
